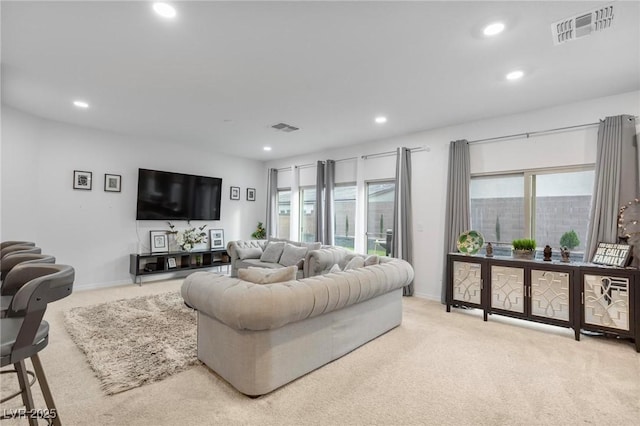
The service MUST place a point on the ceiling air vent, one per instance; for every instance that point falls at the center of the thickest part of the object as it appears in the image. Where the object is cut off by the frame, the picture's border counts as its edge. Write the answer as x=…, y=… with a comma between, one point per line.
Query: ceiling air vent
x=283, y=127
x=582, y=25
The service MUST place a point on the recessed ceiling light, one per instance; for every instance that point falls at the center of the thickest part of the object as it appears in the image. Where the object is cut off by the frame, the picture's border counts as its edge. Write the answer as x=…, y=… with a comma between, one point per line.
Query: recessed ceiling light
x=81, y=104
x=267, y=148
x=514, y=75
x=381, y=120
x=493, y=29
x=165, y=10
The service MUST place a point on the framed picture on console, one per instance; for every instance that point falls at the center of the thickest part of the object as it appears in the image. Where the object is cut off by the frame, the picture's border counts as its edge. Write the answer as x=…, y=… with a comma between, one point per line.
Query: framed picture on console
x=216, y=236
x=251, y=194
x=171, y=262
x=235, y=193
x=159, y=241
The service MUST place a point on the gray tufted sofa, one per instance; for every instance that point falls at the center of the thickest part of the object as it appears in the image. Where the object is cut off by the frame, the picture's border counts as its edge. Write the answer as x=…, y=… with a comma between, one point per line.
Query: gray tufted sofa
x=247, y=253
x=260, y=337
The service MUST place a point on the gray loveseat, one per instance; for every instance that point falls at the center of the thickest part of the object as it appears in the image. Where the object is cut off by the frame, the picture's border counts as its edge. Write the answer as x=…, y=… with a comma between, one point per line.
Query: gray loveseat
x=260, y=337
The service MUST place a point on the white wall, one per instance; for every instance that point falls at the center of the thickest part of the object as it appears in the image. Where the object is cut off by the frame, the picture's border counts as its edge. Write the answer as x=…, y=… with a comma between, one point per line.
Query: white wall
x=95, y=231
x=430, y=166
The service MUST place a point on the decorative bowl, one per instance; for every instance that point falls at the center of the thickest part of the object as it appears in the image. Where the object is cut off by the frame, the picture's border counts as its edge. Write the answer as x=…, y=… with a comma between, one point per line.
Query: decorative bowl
x=470, y=242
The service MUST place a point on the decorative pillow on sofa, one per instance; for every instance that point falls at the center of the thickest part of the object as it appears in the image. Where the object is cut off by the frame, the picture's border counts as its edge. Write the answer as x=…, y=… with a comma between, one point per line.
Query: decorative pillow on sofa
x=335, y=268
x=272, y=252
x=249, y=253
x=268, y=276
x=374, y=259
x=356, y=262
x=291, y=255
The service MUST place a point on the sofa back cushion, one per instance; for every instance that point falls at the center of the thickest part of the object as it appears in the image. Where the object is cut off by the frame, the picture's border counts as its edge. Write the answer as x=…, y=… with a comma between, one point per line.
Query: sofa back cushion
x=291, y=255
x=268, y=276
x=309, y=246
x=272, y=252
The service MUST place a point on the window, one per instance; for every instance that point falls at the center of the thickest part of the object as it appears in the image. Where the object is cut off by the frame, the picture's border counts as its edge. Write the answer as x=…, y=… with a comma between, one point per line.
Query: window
x=344, y=198
x=380, y=201
x=308, y=214
x=497, y=207
x=538, y=204
x=562, y=204
x=284, y=213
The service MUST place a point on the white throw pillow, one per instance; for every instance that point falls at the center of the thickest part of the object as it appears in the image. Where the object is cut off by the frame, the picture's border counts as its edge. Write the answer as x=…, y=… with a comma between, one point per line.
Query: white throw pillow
x=249, y=253
x=272, y=252
x=268, y=276
x=335, y=268
x=291, y=255
x=374, y=259
x=356, y=262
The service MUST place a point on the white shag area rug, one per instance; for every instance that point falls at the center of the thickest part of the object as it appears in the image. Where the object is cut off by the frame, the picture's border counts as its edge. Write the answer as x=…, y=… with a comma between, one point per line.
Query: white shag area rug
x=132, y=342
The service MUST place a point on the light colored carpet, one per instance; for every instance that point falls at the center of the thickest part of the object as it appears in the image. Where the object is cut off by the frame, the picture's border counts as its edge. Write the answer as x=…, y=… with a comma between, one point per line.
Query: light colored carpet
x=135, y=341
x=437, y=368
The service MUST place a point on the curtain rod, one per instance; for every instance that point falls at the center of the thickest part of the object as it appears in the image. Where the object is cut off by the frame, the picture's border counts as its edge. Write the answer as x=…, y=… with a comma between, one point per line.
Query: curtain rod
x=304, y=166
x=538, y=132
x=389, y=153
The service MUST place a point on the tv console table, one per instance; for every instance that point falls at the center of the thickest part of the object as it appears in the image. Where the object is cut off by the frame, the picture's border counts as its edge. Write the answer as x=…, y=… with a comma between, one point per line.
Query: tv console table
x=162, y=263
x=580, y=296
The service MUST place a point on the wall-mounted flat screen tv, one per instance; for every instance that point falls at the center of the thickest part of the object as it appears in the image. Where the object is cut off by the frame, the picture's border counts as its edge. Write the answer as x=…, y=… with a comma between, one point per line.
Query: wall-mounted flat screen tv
x=177, y=196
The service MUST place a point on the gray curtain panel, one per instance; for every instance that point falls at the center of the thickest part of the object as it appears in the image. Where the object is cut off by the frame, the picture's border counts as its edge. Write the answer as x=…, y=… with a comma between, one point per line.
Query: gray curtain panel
x=329, y=185
x=402, y=247
x=319, y=201
x=615, y=180
x=272, y=203
x=325, y=183
x=457, y=214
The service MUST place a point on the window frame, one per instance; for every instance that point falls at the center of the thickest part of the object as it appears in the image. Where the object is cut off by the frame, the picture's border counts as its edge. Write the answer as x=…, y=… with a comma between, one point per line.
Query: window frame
x=366, y=206
x=301, y=190
x=529, y=177
x=278, y=210
x=355, y=215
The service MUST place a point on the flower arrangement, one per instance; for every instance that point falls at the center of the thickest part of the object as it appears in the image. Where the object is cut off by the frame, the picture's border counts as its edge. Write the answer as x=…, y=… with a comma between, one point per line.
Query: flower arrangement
x=188, y=238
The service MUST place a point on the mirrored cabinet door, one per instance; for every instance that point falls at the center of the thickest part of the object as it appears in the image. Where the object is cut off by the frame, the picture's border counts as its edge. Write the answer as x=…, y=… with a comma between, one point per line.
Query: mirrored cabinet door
x=467, y=282
x=606, y=301
x=507, y=288
x=550, y=294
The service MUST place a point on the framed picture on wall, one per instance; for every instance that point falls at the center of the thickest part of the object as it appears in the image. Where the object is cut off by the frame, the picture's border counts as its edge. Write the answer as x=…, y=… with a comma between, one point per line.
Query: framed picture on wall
x=251, y=194
x=82, y=180
x=112, y=183
x=235, y=193
x=159, y=241
x=216, y=236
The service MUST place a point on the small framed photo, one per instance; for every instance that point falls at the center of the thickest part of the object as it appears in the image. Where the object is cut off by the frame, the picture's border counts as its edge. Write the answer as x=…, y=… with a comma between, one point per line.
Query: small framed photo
x=235, y=193
x=112, y=183
x=171, y=262
x=159, y=241
x=82, y=180
x=216, y=236
x=251, y=194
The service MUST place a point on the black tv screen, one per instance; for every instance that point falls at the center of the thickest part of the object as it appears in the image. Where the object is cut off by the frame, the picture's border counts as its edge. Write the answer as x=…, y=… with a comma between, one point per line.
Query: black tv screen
x=177, y=196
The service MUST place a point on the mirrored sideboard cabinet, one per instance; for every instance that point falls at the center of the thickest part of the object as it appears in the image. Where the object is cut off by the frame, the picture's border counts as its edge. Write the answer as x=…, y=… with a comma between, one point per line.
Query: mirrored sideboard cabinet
x=579, y=296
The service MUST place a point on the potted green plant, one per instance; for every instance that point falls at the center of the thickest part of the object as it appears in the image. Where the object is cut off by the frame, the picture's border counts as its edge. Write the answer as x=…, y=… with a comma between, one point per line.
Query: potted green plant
x=570, y=240
x=524, y=248
x=260, y=233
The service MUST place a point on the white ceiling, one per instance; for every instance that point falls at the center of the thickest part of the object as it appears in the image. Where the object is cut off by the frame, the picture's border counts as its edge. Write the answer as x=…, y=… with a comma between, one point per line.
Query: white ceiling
x=219, y=75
